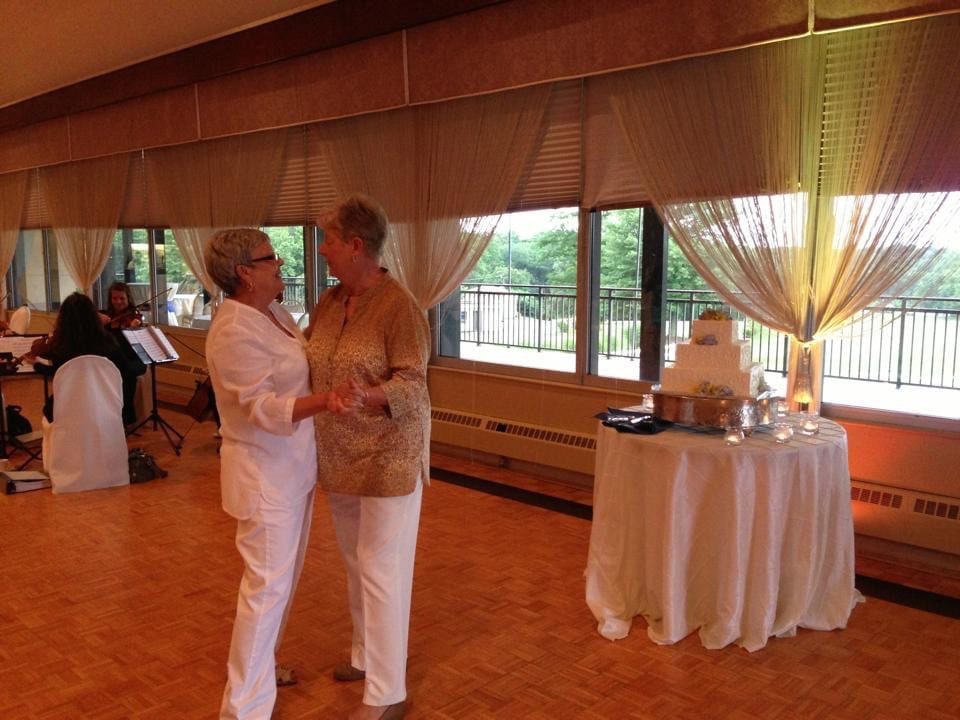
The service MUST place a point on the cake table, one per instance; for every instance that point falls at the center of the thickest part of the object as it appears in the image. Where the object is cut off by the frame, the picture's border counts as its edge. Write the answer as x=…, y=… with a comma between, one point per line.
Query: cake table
x=740, y=543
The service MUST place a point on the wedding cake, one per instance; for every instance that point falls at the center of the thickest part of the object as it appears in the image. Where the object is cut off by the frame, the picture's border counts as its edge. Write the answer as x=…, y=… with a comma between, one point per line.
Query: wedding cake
x=714, y=362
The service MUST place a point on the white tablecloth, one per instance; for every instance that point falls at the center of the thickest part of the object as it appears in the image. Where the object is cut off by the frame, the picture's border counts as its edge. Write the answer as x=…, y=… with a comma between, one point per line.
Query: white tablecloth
x=742, y=543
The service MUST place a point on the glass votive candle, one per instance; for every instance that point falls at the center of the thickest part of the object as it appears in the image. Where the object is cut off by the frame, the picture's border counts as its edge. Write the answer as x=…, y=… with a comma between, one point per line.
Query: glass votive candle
x=809, y=423
x=783, y=407
x=733, y=436
x=782, y=432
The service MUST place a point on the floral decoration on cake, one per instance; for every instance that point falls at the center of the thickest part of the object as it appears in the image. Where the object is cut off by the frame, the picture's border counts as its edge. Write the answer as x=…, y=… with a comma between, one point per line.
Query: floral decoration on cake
x=708, y=388
x=708, y=339
x=714, y=314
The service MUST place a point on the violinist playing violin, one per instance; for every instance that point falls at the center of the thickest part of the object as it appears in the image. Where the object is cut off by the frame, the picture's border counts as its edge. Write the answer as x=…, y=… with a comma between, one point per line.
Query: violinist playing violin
x=121, y=312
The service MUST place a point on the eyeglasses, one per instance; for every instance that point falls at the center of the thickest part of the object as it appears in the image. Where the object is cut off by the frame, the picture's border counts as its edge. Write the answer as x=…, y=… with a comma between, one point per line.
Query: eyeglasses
x=272, y=257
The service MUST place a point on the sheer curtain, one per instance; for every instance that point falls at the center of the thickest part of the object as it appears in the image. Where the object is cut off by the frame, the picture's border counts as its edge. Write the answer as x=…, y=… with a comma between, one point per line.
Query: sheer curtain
x=215, y=184
x=13, y=192
x=444, y=173
x=805, y=179
x=83, y=201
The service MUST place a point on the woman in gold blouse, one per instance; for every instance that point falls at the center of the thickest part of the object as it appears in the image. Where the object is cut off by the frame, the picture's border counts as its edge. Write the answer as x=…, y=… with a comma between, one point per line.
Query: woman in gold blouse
x=369, y=329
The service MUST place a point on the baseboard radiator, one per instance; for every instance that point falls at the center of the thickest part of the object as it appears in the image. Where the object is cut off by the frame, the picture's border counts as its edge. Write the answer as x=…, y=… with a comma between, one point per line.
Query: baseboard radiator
x=906, y=516
x=510, y=439
x=897, y=514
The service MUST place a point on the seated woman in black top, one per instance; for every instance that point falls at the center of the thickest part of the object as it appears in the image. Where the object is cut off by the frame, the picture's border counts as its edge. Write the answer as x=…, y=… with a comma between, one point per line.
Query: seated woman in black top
x=79, y=331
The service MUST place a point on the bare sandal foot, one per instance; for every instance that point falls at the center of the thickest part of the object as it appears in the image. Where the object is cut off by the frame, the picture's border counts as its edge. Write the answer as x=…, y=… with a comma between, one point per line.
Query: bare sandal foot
x=285, y=675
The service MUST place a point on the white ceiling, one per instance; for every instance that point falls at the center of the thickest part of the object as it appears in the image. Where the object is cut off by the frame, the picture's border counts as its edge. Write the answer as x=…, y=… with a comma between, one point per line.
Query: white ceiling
x=48, y=44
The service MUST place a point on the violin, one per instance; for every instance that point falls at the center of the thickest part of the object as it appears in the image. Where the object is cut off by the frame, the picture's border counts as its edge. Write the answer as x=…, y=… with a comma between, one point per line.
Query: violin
x=9, y=363
x=39, y=348
x=132, y=316
x=127, y=319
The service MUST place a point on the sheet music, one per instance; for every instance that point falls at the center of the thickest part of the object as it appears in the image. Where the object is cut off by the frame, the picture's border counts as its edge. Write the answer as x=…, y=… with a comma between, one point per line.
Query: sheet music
x=153, y=342
x=18, y=346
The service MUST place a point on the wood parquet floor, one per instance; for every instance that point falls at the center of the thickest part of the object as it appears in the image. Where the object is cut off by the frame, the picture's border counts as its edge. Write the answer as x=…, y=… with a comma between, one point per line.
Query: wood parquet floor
x=119, y=603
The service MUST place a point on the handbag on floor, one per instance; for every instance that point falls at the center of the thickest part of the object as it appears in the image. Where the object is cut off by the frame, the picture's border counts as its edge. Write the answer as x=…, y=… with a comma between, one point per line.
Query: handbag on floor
x=17, y=424
x=143, y=466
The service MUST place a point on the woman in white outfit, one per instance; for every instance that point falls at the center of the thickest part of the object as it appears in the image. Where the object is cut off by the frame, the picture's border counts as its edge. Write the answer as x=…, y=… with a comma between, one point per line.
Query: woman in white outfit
x=268, y=460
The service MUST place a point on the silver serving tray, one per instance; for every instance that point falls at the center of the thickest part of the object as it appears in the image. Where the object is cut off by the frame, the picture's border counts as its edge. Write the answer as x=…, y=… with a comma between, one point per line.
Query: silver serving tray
x=718, y=412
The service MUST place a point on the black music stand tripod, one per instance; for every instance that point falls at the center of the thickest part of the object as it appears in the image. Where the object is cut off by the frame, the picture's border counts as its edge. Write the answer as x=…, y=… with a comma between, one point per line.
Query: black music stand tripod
x=153, y=348
x=154, y=416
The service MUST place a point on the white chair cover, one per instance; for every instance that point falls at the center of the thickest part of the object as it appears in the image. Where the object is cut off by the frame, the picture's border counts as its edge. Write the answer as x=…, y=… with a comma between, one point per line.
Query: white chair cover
x=85, y=447
x=20, y=320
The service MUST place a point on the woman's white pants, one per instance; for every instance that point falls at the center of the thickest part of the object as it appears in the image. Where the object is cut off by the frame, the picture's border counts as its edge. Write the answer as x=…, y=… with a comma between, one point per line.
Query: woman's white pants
x=378, y=541
x=272, y=543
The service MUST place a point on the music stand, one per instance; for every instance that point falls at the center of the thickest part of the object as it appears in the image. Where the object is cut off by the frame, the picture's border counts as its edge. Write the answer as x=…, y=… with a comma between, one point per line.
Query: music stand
x=153, y=348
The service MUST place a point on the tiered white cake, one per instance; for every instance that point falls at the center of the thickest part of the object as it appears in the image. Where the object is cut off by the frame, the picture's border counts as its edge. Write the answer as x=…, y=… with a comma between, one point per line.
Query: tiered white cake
x=714, y=362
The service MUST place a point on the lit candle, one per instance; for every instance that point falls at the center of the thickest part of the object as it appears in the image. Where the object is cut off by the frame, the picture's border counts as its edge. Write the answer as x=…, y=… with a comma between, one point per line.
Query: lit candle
x=733, y=436
x=783, y=407
x=809, y=424
x=782, y=432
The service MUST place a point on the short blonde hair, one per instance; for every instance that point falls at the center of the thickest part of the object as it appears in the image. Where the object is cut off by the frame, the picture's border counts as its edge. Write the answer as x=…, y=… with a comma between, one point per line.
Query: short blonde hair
x=359, y=216
x=225, y=250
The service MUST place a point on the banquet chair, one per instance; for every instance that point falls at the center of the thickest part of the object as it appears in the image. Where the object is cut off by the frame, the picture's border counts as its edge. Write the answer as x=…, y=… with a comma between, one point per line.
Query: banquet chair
x=20, y=320
x=85, y=447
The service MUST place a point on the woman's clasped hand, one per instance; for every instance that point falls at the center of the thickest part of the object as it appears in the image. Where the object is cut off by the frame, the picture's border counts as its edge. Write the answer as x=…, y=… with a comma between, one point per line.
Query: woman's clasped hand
x=347, y=398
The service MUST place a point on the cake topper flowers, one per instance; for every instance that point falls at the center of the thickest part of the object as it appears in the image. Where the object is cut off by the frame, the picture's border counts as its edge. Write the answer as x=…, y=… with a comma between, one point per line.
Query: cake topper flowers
x=714, y=314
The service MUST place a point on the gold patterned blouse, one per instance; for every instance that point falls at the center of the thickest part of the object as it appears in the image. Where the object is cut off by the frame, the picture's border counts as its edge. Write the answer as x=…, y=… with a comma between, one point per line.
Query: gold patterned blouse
x=377, y=452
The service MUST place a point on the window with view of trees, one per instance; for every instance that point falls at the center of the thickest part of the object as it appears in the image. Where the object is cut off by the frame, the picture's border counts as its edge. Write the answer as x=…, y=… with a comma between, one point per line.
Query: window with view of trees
x=519, y=305
x=288, y=242
x=150, y=262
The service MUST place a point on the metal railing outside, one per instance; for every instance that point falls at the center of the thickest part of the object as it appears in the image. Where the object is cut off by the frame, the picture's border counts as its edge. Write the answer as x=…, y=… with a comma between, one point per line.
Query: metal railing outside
x=295, y=293
x=905, y=341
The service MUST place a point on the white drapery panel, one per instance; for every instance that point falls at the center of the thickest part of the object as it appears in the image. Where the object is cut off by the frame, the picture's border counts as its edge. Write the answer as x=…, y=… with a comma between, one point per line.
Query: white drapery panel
x=805, y=179
x=13, y=193
x=444, y=173
x=215, y=184
x=83, y=201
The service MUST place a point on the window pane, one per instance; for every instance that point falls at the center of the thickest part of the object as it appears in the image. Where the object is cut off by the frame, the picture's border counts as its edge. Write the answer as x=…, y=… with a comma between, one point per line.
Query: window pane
x=617, y=337
x=187, y=301
x=903, y=353
x=26, y=279
x=288, y=243
x=518, y=307
x=128, y=262
x=170, y=270
x=903, y=356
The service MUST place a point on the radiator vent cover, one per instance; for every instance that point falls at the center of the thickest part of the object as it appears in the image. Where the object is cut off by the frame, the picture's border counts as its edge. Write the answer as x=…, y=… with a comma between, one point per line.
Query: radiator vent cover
x=191, y=369
x=456, y=418
x=531, y=432
x=936, y=506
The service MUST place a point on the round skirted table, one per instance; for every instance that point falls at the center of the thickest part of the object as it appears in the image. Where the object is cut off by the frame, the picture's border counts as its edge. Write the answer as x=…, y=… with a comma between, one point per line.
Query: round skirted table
x=740, y=543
